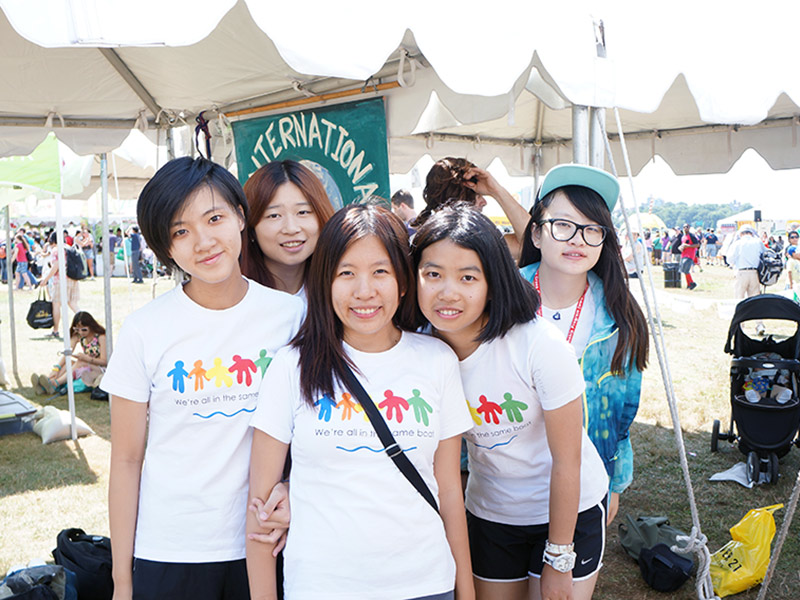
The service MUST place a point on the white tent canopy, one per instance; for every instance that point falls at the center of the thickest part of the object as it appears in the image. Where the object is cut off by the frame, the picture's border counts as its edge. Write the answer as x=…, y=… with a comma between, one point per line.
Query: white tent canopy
x=696, y=82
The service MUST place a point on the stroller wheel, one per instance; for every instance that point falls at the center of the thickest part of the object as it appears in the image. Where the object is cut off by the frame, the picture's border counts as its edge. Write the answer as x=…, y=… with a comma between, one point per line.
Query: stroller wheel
x=772, y=472
x=753, y=467
x=715, y=436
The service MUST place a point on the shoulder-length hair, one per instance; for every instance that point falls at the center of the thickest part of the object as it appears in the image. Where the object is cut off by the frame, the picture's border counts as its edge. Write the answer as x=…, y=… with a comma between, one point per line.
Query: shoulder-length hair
x=260, y=189
x=87, y=320
x=444, y=185
x=510, y=300
x=322, y=357
x=632, y=347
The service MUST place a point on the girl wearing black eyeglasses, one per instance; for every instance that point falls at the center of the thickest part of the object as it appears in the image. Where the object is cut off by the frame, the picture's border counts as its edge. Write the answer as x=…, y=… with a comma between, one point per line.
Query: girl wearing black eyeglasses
x=572, y=256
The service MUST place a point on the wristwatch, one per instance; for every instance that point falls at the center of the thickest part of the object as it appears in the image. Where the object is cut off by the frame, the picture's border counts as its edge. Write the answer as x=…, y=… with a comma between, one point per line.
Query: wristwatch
x=559, y=556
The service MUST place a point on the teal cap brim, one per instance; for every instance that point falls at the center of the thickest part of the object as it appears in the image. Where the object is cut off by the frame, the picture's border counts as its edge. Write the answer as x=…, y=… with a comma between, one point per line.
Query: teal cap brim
x=602, y=182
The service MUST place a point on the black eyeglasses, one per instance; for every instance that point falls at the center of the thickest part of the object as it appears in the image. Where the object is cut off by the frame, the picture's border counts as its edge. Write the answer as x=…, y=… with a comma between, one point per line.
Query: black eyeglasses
x=563, y=230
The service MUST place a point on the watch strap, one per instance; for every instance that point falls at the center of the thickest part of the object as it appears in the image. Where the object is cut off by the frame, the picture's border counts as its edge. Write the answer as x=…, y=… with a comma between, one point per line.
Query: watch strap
x=558, y=548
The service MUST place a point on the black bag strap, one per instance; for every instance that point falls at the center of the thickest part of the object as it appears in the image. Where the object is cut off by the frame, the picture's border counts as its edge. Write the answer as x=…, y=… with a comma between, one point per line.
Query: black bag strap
x=387, y=439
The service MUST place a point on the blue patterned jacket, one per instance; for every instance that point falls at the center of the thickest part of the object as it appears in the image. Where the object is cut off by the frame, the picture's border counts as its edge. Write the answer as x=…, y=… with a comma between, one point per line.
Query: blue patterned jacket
x=610, y=401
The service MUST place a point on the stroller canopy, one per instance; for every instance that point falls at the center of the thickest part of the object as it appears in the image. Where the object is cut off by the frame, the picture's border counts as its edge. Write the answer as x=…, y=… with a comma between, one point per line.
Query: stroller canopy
x=765, y=306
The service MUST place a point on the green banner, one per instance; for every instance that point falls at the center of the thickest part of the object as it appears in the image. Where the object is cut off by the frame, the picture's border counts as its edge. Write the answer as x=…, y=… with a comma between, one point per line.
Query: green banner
x=41, y=169
x=344, y=145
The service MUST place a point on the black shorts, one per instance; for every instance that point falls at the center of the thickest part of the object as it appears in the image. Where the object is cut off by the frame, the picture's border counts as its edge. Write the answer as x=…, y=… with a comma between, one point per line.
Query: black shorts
x=193, y=581
x=514, y=552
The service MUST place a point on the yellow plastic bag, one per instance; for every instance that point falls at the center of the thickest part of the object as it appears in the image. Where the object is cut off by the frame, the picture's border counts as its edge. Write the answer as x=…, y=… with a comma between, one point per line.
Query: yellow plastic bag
x=742, y=563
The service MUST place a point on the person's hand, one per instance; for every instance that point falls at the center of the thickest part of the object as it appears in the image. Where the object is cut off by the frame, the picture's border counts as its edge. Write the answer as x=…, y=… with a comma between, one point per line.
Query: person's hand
x=555, y=585
x=482, y=182
x=273, y=517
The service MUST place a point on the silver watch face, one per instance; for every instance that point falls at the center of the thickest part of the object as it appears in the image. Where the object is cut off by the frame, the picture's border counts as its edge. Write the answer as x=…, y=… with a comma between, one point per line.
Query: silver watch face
x=564, y=562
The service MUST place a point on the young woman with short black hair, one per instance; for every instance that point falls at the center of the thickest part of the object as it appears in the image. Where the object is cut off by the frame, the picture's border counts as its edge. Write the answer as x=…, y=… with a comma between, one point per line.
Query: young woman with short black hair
x=183, y=381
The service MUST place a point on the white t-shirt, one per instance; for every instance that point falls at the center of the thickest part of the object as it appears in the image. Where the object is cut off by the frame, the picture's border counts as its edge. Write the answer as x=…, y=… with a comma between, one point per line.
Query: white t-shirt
x=562, y=319
x=199, y=369
x=360, y=531
x=509, y=382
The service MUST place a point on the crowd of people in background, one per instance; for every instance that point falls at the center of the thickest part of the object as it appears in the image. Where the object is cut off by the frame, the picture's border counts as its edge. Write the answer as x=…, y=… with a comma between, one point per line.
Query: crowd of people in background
x=691, y=248
x=31, y=252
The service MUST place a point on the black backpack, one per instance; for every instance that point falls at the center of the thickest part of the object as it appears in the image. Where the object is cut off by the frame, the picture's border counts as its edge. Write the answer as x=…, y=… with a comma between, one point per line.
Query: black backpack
x=89, y=557
x=770, y=267
x=648, y=540
x=76, y=263
x=663, y=569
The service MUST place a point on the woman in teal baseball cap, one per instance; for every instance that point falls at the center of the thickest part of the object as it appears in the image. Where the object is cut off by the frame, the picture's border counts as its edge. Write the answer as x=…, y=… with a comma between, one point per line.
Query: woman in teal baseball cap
x=572, y=256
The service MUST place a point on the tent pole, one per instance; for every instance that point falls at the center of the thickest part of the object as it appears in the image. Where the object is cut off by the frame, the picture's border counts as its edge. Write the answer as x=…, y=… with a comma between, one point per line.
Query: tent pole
x=106, y=254
x=10, y=278
x=580, y=134
x=170, y=144
x=65, y=322
x=597, y=144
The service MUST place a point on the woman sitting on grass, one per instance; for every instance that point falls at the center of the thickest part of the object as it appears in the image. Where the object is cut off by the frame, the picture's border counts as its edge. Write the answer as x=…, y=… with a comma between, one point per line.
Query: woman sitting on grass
x=90, y=358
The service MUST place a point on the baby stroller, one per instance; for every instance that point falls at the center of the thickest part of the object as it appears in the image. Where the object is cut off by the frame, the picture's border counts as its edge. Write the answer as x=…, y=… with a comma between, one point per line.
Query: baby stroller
x=765, y=374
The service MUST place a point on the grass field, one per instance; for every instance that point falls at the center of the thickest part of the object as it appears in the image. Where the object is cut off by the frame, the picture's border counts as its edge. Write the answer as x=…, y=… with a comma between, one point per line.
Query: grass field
x=44, y=489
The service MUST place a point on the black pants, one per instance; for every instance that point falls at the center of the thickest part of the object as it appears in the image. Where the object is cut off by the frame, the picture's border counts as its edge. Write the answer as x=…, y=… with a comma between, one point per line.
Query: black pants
x=192, y=581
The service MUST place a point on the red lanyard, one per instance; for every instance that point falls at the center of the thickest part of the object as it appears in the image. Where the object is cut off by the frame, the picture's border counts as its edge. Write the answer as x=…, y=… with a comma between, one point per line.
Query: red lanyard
x=578, y=307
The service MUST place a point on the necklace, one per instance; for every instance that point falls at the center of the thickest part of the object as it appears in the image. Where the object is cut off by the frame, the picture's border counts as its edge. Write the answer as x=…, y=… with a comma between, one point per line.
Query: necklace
x=557, y=315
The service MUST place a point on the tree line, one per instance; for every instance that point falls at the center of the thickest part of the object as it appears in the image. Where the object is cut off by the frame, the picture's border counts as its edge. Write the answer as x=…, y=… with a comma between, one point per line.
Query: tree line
x=675, y=214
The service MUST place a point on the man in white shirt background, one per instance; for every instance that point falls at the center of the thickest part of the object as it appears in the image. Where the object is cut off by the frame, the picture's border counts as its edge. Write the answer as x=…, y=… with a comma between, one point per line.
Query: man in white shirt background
x=744, y=256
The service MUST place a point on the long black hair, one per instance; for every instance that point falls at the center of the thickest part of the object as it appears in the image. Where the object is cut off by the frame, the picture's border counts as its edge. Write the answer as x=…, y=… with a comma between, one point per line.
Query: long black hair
x=632, y=347
x=511, y=299
x=322, y=356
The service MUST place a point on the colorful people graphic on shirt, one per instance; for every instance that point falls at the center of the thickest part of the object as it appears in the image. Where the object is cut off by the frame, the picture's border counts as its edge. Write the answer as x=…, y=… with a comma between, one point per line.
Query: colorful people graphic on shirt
x=489, y=410
x=393, y=404
x=513, y=408
x=178, y=374
x=199, y=374
x=421, y=408
x=220, y=374
x=326, y=405
x=263, y=362
x=348, y=404
x=242, y=367
x=360, y=409
x=473, y=412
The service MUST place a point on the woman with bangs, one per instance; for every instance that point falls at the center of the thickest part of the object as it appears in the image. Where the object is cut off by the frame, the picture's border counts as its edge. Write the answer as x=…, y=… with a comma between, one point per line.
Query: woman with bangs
x=571, y=255
x=360, y=529
x=536, y=489
x=288, y=207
